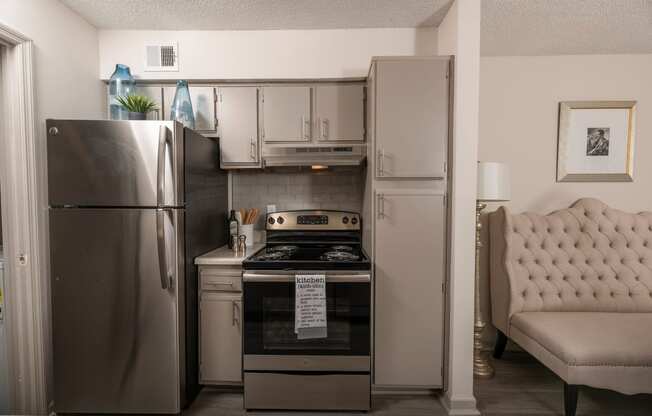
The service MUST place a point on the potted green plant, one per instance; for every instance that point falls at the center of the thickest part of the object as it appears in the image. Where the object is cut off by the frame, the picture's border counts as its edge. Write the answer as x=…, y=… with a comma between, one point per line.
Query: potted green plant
x=137, y=105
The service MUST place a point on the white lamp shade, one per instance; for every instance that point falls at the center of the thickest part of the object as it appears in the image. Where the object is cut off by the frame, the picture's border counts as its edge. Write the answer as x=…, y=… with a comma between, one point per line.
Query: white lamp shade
x=493, y=181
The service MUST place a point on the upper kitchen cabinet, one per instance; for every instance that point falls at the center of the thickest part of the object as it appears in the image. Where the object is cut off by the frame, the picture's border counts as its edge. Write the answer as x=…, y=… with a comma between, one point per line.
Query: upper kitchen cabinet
x=237, y=113
x=411, y=117
x=286, y=115
x=203, y=105
x=339, y=113
x=154, y=93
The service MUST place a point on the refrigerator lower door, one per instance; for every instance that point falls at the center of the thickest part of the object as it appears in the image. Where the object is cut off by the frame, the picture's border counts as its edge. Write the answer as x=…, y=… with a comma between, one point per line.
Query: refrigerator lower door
x=116, y=332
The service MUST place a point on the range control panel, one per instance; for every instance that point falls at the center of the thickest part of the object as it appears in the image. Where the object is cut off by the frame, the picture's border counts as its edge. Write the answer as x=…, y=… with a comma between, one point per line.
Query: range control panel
x=313, y=220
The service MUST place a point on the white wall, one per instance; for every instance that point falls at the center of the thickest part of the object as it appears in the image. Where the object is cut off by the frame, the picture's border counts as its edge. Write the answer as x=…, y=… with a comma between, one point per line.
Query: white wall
x=66, y=56
x=519, y=107
x=276, y=54
x=459, y=35
x=518, y=124
x=66, y=85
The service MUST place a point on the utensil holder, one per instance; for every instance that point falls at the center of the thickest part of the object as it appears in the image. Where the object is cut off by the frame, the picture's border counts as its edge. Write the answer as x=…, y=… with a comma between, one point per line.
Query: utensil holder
x=248, y=231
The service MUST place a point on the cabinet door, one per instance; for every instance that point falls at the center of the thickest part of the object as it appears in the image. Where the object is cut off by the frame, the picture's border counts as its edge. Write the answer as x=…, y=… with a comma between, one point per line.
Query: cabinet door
x=220, y=345
x=203, y=107
x=155, y=94
x=411, y=118
x=339, y=112
x=237, y=114
x=286, y=114
x=409, y=276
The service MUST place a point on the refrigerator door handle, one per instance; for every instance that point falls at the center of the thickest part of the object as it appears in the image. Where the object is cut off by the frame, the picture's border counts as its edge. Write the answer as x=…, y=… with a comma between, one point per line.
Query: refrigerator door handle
x=160, y=174
x=162, y=249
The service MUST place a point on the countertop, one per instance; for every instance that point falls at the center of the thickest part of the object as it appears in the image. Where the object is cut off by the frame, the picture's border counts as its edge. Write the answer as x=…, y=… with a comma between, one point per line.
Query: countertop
x=224, y=256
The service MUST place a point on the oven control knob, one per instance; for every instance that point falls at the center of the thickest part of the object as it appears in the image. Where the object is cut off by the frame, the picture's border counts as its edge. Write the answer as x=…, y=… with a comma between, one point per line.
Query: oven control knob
x=271, y=220
x=354, y=220
x=345, y=220
x=280, y=220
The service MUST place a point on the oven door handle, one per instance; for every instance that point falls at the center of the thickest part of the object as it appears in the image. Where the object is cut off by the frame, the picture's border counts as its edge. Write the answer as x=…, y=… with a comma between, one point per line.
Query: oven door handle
x=288, y=278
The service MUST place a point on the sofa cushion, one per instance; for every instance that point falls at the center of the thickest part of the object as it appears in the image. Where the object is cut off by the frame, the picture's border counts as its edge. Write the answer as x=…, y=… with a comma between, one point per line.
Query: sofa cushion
x=604, y=350
x=591, y=338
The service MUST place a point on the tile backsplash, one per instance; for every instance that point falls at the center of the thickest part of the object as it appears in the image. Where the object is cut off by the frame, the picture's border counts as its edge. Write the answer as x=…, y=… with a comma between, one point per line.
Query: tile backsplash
x=291, y=189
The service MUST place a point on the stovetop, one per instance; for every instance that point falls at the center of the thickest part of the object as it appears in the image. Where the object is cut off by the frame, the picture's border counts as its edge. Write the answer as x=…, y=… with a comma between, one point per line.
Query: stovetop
x=311, y=240
x=314, y=256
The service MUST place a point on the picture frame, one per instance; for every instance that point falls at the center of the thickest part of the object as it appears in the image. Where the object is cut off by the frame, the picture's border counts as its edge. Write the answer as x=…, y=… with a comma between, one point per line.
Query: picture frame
x=596, y=141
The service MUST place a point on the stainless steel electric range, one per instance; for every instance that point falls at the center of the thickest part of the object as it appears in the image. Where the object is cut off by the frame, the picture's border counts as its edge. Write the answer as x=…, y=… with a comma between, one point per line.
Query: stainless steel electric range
x=282, y=371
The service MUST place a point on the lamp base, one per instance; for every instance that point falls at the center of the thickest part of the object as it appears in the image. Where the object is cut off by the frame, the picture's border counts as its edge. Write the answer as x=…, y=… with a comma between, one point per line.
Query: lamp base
x=481, y=366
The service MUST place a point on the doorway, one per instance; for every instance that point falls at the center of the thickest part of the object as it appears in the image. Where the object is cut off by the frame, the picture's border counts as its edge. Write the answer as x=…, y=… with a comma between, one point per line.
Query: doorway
x=4, y=359
x=24, y=323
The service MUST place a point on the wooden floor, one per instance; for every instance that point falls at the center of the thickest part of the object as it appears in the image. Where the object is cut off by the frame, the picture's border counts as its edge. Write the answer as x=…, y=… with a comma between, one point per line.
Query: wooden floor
x=521, y=387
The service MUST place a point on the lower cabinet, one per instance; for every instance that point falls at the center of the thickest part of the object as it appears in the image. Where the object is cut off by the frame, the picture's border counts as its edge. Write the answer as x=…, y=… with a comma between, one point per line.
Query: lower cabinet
x=220, y=334
x=409, y=274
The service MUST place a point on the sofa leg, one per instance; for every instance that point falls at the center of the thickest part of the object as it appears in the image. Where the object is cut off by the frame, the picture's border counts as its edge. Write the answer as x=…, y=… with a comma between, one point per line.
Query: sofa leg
x=570, y=399
x=501, y=343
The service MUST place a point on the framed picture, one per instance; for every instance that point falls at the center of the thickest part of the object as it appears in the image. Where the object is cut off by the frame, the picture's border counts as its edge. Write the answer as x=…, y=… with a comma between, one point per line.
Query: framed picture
x=596, y=141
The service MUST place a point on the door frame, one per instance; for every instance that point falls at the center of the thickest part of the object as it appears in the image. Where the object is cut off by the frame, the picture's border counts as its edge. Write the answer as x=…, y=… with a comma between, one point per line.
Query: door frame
x=22, y=172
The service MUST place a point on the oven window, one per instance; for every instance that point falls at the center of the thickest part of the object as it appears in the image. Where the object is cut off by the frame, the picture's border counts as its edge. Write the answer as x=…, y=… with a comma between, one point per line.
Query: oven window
x=269, y=320
x=278, y=326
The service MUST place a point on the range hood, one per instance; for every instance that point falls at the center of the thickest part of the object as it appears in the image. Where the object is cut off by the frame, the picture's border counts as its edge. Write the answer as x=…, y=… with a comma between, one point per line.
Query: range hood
x=311, y=154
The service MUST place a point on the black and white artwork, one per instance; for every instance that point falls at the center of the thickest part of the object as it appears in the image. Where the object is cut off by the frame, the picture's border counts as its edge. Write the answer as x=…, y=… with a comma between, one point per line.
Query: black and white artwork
x=597, y=141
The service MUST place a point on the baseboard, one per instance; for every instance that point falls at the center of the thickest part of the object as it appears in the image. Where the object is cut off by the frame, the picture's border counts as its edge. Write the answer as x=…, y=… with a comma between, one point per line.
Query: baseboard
x=459, y=406
x=403, y=391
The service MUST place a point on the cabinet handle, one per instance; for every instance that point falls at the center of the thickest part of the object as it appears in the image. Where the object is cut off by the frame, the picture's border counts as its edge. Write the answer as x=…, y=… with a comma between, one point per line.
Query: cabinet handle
x=381, y=206
x=252, y=150
x=324, y=129
x=305, y=127
x=214, y=284
x=236, y=313
x=381, y=161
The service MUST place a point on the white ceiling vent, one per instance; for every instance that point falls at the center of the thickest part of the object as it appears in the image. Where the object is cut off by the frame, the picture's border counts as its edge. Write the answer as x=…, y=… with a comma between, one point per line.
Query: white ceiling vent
x=161, y=57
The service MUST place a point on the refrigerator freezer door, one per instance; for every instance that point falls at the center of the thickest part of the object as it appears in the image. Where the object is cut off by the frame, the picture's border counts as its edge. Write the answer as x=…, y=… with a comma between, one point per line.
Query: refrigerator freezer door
x=102, y=163
x=116, y=330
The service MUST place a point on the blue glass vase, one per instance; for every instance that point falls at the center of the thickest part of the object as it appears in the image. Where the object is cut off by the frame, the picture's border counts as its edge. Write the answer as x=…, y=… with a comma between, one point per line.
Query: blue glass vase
x=121, y=83
x=182, y=106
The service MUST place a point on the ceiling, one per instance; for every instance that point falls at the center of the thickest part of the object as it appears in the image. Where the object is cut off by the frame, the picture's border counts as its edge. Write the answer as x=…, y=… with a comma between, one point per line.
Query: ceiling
x=509, y=27
x=551, y=27
x=259, y=14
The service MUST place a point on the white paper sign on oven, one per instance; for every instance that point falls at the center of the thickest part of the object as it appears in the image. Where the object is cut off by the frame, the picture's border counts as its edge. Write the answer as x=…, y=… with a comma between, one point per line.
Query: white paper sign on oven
x=310, y=306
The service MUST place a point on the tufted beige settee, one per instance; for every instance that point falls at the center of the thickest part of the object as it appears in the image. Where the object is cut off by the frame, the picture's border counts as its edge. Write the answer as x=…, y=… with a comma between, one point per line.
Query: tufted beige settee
x=574, y=289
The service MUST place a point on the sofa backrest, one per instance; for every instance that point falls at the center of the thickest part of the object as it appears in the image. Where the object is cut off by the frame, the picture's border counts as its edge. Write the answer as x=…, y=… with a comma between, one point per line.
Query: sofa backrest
x=586, y=258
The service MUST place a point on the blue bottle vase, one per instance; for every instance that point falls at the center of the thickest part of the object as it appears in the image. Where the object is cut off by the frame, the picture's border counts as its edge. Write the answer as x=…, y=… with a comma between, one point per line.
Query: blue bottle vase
x=121, y=83
x=181, y=110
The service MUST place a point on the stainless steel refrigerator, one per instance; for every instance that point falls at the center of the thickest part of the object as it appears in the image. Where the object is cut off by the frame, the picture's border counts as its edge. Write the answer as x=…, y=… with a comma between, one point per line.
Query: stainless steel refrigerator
x=131, y=204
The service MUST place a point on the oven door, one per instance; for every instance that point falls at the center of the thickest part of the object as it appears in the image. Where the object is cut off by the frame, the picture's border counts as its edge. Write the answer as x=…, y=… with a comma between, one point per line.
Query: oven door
x=269, y=312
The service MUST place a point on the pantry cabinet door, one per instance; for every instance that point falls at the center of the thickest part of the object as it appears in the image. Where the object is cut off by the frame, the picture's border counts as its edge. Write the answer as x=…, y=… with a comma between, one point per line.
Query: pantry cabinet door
x=286, y=114
x=409, y=276
x=220, y=346
x=411, y=118
x=339, y=112
x=237, y=114
x=203, y=107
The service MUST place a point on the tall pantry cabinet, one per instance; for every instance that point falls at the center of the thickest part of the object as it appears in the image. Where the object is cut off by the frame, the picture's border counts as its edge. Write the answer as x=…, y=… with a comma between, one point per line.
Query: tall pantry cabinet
x=405, y=204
